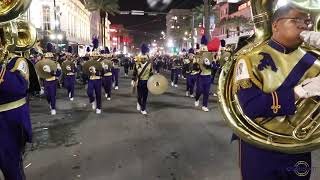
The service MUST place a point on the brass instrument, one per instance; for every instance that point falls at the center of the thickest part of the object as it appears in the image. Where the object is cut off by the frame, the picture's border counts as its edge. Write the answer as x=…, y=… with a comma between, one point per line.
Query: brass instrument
x=10, y=10
x=89, y=64
x=206, y=57
x=106, y=64
x=67, y=66
x=27, y=35
x=303, y=134
x=40, y=68
x=157, y=84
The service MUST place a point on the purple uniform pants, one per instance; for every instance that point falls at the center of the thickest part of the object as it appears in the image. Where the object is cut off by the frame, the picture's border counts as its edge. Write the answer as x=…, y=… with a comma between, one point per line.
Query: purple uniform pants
x=15, y=131
x=94, y=88
x=203, y=87
x=69, y=82
x=115, y=76
x=50, y=89
x=142, y=93
x=107, y=84
x=188, y=82
x=261, y=164
x=193, y=81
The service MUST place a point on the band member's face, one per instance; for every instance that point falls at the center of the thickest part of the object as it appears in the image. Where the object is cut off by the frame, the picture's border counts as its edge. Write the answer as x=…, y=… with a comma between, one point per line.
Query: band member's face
x=288, y=28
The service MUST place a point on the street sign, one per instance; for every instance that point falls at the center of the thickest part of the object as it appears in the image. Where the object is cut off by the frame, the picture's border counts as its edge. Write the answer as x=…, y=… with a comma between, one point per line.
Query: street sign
x=136, y=12
x=124, y=12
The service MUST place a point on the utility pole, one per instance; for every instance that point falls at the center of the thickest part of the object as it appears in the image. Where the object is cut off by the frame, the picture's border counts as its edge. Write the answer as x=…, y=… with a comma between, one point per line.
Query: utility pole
x=207, y=19
x=192, y=30
x=55, y=22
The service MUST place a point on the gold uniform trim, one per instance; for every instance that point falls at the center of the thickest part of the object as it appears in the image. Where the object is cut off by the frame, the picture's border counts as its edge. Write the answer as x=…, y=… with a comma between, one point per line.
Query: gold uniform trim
x=108, y=74
x=2, y=73
x=95, y=77
x=275, y=103
x=13, y=105
x=51, y=78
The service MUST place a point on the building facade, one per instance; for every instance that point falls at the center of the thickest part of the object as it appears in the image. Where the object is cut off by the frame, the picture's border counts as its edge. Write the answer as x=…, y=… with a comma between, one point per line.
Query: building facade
x=177, y=23
x=66, y=22
x=230, y=32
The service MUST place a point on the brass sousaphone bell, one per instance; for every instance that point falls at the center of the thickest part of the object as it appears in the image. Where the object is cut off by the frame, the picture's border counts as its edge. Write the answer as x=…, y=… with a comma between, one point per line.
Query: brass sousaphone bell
x=206, y=56
x=106, y=62
x=12, y=9
x=40, y=65
x=157, y=84
x=66, y=64
x=89, y=64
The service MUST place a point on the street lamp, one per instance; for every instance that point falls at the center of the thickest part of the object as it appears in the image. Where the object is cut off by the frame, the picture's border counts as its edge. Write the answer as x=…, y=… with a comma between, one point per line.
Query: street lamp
x=170, y=43
x=60, y=37
x=53, y=36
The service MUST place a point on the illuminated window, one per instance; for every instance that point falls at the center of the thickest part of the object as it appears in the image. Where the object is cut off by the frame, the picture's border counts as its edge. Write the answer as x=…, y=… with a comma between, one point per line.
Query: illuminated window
x=46, y=17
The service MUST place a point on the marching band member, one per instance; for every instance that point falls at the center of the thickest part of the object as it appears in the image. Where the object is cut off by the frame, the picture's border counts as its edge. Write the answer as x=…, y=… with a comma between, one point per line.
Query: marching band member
x=126, y=65
x=269, y=80
x=70, y=78
x=15, y=124
x=141, y=73
x=188, y=69
x=107, y=76
x=115, y=72
x=215, y=65
x=204, y=82
x=50, y=84
x=177, y=68
x=94, y=85
x=194, y=75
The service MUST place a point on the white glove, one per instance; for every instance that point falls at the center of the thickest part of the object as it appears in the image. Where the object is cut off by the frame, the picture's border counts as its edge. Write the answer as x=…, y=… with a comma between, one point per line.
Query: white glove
x=308, y=88
x=46, y=68
x=311, y=37
x=58, y=66
x=207, y=62
x=68, y=68
x=132, y=83
x=92, y=70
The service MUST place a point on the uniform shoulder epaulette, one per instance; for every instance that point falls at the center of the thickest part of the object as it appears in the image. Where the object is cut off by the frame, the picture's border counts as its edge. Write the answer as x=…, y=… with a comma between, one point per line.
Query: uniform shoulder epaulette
x=243, y=74
x=21, y=65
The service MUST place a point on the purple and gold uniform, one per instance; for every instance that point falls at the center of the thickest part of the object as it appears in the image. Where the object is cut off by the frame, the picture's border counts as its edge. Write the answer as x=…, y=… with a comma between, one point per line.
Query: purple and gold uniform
x=107, y=80
x=203, y=86
x=193, y=78
x=70, y=81
x=15, y=124
x=94, y=88
x=115, y=72
x=265, y=79
x=50, y=88
x=142, y=87
x=176, y=70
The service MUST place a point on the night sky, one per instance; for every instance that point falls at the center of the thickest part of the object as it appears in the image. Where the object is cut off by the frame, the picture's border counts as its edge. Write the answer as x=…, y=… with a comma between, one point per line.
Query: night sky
x=145, y=28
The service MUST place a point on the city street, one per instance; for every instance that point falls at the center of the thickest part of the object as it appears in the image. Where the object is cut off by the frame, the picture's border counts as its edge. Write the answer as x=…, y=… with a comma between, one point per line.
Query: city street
x=175, y=141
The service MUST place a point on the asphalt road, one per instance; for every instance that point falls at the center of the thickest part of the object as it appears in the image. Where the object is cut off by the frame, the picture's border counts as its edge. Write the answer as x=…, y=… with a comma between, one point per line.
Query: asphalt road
x=176, y=141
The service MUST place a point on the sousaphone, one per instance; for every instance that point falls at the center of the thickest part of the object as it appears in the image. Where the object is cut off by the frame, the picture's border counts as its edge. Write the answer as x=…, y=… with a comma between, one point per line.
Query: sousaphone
x=66, y=65
x=106, y=63
x=12, y=9
x=89, y=64
x=40, y=65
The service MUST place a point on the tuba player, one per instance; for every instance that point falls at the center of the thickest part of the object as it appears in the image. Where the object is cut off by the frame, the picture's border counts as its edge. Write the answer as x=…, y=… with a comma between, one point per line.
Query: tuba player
x=268, y=81
x=15, y=124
